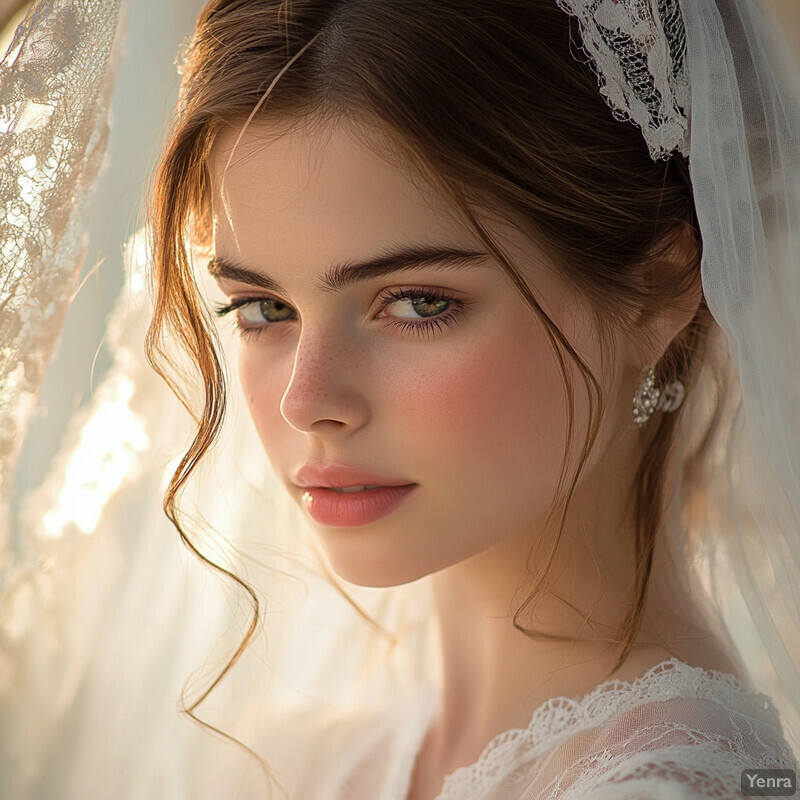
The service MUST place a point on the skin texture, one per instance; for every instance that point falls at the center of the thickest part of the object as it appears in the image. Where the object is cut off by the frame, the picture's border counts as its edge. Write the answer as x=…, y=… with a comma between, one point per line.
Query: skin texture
x=474, y=413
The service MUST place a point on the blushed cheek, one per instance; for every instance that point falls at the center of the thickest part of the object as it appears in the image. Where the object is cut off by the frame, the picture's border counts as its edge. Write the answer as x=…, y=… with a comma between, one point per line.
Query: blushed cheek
x=499, y=407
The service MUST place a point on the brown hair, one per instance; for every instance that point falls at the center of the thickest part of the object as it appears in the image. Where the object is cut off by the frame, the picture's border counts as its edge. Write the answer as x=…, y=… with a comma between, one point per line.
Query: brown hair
x=490, y=102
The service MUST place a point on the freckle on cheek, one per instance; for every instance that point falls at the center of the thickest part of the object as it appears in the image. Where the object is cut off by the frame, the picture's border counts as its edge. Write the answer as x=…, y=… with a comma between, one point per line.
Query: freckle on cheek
x=462, y=396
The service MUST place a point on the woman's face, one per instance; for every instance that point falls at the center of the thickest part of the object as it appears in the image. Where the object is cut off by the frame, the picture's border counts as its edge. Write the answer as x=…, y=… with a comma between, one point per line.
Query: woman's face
x=381, y=347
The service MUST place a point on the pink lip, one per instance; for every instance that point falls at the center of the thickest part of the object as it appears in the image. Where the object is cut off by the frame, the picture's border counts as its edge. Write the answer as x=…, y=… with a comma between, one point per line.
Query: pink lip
x=339, y=510
x=338, y=476
x=350, y=509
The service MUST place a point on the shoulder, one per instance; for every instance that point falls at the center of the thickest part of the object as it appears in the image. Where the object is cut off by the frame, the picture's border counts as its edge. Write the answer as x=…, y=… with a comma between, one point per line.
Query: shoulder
x=681, y=748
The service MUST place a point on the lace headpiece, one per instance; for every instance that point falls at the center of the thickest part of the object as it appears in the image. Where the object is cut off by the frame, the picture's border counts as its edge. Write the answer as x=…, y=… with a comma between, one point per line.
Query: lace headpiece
x=637, y=48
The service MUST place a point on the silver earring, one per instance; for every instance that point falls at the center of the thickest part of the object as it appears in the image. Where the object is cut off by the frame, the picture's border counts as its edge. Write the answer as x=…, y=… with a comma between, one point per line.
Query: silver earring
x=649, y=398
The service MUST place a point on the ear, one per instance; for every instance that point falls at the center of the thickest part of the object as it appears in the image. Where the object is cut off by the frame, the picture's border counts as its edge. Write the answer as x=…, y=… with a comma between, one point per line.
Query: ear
x=672, y=274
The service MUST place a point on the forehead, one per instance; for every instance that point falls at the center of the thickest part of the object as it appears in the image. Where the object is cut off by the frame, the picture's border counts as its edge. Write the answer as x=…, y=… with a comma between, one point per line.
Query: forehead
x=306, y=188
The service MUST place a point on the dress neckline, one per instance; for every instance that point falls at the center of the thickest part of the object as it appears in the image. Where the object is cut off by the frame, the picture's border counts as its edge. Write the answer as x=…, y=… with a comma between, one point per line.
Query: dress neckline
x=558, y=716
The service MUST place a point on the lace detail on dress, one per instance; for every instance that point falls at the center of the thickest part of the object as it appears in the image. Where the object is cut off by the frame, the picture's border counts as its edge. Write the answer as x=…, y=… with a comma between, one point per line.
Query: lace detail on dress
x=637, y=49
x=507, y=758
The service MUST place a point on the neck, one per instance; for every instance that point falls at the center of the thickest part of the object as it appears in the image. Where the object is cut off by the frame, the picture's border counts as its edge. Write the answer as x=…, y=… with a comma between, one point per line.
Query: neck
x=494, y=676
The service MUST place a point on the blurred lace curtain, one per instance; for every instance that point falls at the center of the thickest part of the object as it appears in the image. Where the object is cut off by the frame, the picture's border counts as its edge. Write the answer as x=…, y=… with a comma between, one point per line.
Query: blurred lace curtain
x=146, y=89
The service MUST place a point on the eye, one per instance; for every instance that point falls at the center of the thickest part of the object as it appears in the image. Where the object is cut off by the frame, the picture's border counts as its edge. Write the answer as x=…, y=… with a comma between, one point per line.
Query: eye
x=422, y=311
x=420, y=305
x=256, y=314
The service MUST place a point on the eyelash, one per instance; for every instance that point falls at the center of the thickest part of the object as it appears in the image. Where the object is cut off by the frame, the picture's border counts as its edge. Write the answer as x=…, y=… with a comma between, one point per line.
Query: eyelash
x=425, y=327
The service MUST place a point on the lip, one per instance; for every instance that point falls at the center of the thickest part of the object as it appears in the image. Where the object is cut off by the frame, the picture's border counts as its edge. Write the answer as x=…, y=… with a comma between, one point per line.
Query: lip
x=340, y=476
x=342, y=510
x=337, y=510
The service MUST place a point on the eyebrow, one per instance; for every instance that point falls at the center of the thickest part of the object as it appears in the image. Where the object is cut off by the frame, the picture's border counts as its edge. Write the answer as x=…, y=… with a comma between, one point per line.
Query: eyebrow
x=348, y=273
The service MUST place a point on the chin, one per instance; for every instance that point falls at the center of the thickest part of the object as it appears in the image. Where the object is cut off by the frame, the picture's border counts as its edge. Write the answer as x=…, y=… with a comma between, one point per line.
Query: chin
x=381, y=574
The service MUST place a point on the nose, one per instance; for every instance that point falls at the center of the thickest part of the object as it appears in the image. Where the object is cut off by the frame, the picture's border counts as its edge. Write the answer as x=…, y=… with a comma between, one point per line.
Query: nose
x=324, y=392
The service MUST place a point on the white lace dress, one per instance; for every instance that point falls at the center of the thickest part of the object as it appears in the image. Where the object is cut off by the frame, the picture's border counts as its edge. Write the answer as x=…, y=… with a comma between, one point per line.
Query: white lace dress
x=678, y=732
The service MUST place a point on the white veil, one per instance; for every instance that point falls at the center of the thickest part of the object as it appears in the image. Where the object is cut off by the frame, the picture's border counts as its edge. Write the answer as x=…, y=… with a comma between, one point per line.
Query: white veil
x=745, y=168
x=103, y=615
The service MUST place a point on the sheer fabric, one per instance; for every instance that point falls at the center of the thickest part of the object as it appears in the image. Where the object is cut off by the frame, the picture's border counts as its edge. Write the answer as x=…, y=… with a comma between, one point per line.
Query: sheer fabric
x=745, y=168
x=55, y=83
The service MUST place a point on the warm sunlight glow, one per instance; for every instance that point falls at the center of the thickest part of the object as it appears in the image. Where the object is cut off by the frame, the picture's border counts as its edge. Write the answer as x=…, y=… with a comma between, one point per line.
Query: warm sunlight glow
x=110, y=441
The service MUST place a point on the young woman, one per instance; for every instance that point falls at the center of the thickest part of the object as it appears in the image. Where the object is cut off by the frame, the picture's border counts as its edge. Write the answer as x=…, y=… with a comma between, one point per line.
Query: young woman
x=491, y=335
x=452, y=269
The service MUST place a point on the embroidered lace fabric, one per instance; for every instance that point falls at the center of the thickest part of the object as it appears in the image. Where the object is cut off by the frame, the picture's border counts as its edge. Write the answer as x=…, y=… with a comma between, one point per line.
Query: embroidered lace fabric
x=55, y=85
x=676, y=724
x=53, y=97
x=637, y=50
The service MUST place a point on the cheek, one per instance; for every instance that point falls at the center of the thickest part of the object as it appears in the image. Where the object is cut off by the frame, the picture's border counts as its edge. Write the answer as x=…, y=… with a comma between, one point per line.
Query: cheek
x=494, y=411
x=490, y=413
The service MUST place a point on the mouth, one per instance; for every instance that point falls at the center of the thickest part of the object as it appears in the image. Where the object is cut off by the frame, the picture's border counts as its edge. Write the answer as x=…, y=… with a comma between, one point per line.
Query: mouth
x=352, y=506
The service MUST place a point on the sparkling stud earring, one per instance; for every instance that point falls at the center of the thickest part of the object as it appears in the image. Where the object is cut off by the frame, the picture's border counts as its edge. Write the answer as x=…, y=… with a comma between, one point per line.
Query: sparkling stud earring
x=649, y=397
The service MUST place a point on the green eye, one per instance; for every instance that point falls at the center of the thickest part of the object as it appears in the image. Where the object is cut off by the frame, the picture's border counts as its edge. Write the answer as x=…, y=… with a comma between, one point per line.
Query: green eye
x=258, y=312
x=423, y=310
x=414, y=305
x=430, y=306
x=275, y=311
